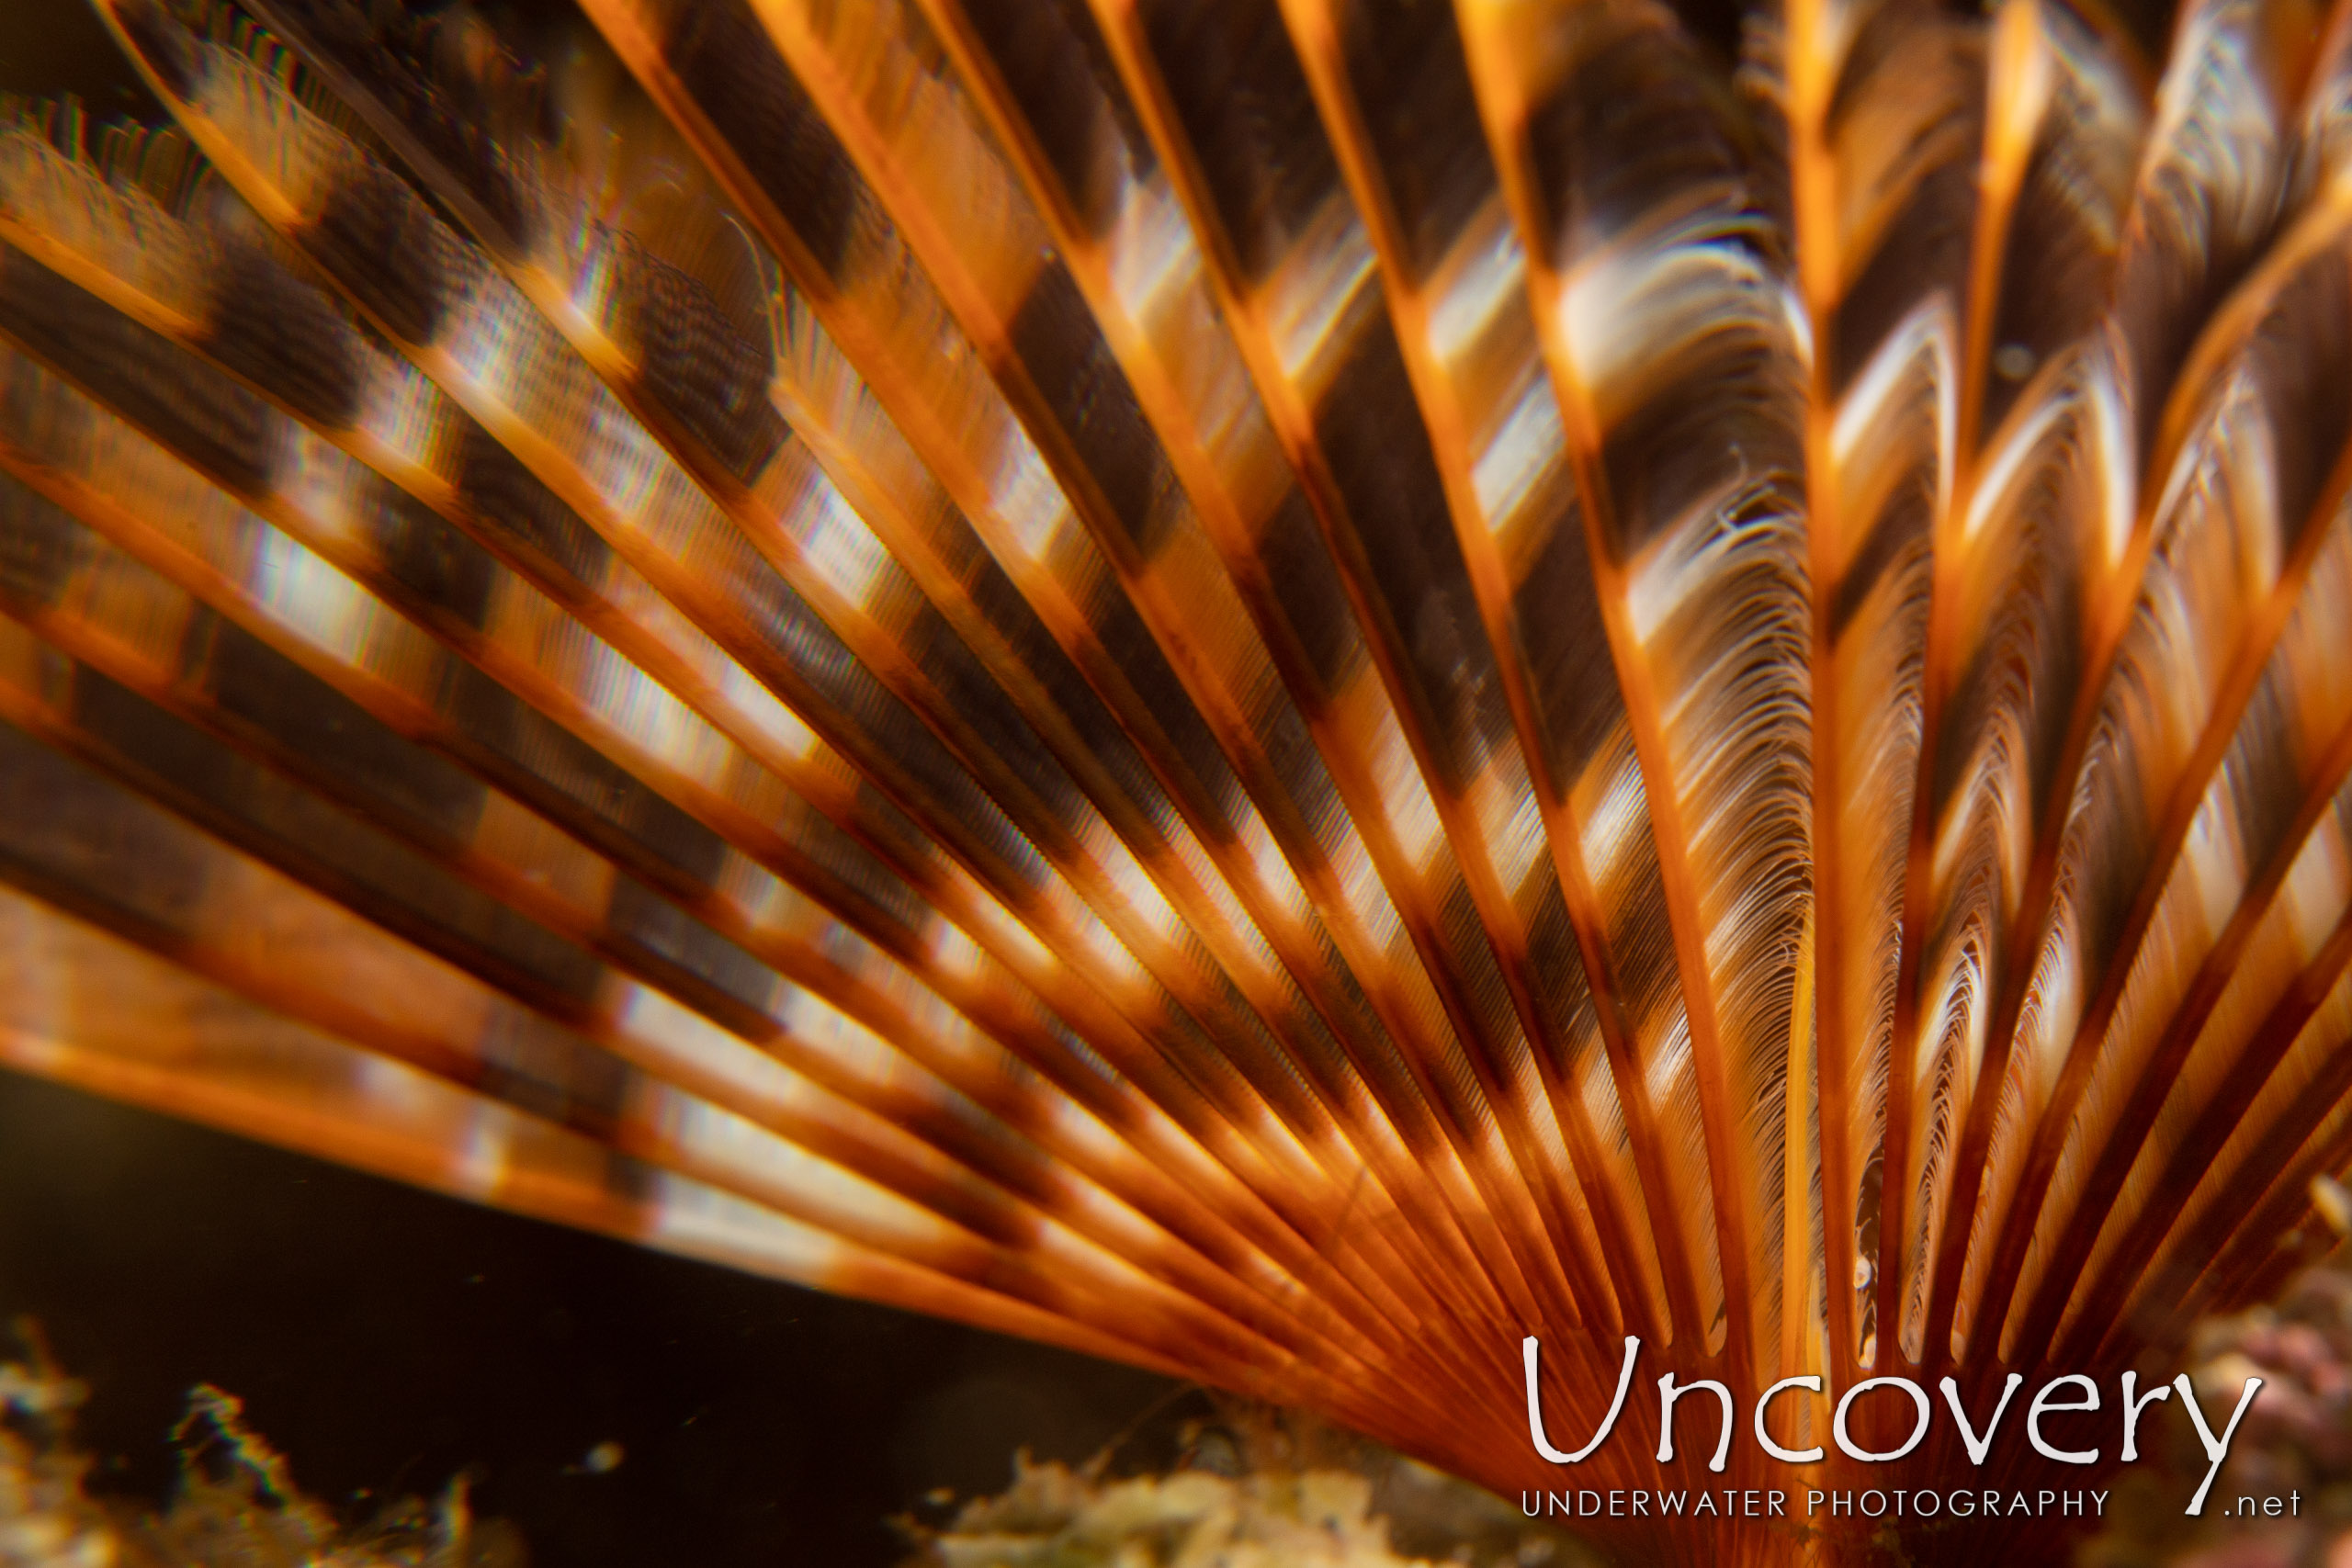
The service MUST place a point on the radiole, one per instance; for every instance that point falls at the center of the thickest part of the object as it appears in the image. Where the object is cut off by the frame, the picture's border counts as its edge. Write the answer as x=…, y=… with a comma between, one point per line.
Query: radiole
x=1285, y=689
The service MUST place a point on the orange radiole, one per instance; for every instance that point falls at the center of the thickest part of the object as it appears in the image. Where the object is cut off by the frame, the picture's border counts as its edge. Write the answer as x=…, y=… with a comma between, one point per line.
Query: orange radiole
x=1285, y=689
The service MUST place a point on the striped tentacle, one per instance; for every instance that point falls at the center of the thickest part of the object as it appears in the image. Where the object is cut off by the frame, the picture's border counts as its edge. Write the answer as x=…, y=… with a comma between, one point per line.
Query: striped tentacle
x=2025, y=560
x=157, y=1036
x=538, y=215
x=626, y=1075
x=716, y=71
x=2247, y=906
x=1394, y=90
x=1130, y=250
x=450, y=1027
x=1884, y=108
x=2247, y=512
x=1657, y=271
x=644, y=504
x=1069, y=376
x=1298, y=279
x=1066, y=988
x=2250, y=1229
x=352, y=528
x=2205, y=197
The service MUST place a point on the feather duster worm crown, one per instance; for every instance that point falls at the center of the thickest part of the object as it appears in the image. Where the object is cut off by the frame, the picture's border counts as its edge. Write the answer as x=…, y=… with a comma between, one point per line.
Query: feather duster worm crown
x=1285, y=689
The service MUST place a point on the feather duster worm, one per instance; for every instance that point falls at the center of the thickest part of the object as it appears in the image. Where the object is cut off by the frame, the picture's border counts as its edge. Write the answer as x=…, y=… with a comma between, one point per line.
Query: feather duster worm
x=1289, y=689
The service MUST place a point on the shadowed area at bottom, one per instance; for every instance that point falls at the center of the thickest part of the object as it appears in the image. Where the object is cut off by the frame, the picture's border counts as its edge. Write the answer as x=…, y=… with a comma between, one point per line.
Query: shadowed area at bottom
x=385, y=1339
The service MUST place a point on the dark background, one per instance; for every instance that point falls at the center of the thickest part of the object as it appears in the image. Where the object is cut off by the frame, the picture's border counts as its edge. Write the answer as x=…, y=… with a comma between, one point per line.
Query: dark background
x=49, y=46
x=385, y=1338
